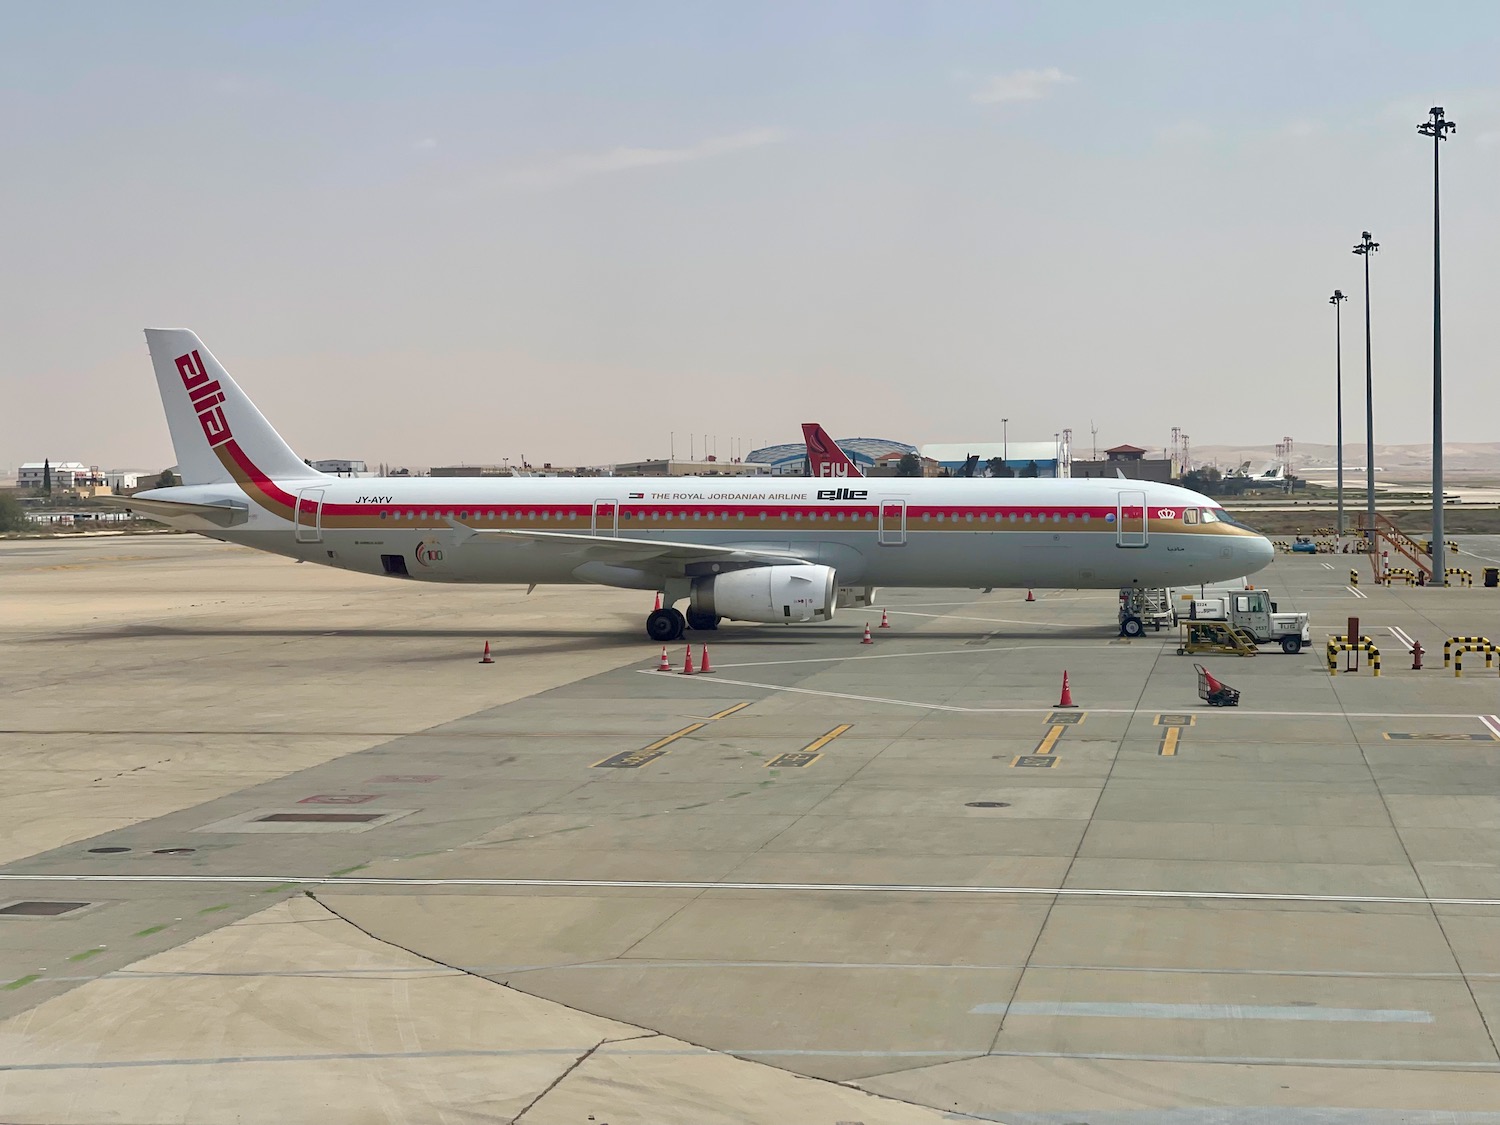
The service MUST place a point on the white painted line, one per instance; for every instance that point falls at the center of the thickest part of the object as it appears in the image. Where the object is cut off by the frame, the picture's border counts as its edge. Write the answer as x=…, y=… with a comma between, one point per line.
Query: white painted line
x=999, y=620
x=703, y=885
x=1357, y=592
x=1205, y=1012
x=969, y=651
x=1491, y=724
x=1401, y=635
x=1236, y=713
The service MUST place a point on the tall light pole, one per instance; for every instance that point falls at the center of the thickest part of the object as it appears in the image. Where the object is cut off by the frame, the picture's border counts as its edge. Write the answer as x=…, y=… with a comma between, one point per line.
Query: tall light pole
x=1438, y=129
x=1366, y=248
x=1005, y=441
x=1336, y=300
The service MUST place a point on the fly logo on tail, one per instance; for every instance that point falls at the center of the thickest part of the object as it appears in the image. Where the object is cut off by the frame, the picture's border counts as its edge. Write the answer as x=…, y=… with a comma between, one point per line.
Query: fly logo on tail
x=207, y=397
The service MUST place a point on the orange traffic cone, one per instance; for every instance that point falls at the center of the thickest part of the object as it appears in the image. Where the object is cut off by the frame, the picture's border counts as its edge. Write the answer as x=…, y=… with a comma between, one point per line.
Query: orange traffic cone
x=1030, y=597
x=657, y=606
x=1067, y=693
x=687, y=663
x=486, y=658
x=703, y=668
x=665, y=665
x=867, y=640
x=885, y=619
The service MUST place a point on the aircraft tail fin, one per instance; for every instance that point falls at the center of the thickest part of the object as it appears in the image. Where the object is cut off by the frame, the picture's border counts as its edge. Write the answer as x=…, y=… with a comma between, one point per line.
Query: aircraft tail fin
x=218, y=434
x=824, y=457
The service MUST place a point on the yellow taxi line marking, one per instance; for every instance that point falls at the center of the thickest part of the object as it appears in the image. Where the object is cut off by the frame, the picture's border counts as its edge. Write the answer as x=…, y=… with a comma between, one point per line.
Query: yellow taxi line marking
x=674, y=736
x=1047, y=743
x=814, y=747
x=1169, y=742
x=729, y=711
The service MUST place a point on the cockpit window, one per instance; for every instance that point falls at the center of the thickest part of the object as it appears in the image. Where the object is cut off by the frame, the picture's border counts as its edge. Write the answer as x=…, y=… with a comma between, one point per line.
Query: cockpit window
x=1190, y=515
x=1210, y=516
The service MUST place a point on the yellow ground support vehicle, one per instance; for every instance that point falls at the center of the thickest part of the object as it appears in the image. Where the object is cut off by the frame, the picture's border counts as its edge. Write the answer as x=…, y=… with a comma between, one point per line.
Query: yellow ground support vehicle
x=1215, y=636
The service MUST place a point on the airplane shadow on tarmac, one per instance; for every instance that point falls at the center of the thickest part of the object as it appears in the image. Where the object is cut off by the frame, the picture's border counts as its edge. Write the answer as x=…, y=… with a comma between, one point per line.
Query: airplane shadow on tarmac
x=561, y=639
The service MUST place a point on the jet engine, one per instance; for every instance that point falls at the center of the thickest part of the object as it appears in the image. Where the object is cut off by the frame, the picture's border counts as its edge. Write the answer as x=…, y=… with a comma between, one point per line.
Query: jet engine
x=856, y=597
x=804, y=592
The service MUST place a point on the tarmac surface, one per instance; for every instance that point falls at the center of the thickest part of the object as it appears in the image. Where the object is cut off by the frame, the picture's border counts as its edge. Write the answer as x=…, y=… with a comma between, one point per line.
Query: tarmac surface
x=329, y=867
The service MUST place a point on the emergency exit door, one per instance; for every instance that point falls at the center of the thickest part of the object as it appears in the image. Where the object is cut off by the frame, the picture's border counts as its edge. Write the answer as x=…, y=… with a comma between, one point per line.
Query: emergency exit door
x=1130, y=519
x=892, y=531
x=308, y=517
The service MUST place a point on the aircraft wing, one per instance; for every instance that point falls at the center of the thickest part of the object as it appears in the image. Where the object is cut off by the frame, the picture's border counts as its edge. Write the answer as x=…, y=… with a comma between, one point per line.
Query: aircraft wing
x=653, y=555
x=226, y=514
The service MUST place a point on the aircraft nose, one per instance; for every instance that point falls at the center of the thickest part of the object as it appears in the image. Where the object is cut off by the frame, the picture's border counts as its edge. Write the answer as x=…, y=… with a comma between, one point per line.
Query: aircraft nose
x=1260, y=553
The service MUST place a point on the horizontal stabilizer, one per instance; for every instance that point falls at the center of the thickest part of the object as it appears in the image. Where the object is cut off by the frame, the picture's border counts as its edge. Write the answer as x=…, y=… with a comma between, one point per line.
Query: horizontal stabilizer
x=228, y=513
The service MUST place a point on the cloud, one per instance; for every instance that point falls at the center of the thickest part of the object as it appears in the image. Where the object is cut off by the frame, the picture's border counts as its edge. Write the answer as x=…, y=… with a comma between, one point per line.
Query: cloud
x=1301, y=130
x=1018, y=86
x=1185, y=133
x=567, y=169
x=425, y=144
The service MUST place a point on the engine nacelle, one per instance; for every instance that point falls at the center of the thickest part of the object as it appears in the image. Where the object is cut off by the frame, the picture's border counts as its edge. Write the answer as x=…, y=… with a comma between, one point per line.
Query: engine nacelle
x=856, y=597
x=804, y=592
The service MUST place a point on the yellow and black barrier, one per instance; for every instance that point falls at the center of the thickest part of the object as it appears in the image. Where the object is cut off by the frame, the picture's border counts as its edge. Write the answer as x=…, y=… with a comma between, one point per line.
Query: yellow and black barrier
x=1489, y=651
x=1354, y=578
x=1395, y=572
x=1451, y=641
x=1336, y=647
x=1464, y=576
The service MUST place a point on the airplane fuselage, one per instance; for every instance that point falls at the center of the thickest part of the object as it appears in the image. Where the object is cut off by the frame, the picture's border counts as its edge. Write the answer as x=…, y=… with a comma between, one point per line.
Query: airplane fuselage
x=884, y=531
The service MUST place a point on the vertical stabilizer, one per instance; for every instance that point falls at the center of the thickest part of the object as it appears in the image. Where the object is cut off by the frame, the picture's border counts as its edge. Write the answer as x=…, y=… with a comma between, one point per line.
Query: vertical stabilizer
x=824, y=457
x=218, y=434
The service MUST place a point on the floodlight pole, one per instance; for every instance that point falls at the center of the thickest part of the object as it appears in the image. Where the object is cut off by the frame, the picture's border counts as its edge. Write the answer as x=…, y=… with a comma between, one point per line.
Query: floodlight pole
x=1366, y=248
x=1336, y=300
x=1438, y=129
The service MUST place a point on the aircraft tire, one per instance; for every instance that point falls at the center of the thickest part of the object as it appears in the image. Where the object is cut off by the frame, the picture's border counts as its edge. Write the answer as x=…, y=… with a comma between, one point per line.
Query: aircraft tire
x=1132, y=627
x=665, y=625
x=697, y=620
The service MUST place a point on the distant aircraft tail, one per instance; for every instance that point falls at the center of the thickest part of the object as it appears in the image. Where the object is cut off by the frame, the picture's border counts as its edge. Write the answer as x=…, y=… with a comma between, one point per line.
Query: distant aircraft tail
x=824, y=457
x=218, y=434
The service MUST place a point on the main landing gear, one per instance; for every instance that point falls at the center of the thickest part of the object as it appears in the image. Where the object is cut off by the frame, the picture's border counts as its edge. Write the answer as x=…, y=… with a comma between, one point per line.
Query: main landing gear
x=701, y=621
x=668, y=624
x=665, y=625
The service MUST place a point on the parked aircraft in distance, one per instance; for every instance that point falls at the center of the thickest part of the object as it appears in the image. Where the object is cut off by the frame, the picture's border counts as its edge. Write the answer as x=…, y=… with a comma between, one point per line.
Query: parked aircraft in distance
x=824, y=457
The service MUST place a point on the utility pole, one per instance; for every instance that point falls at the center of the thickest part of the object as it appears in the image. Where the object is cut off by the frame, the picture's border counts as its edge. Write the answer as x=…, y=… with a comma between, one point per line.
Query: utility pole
x=1366, y=249
x=1336, y=300
x=1438, y=129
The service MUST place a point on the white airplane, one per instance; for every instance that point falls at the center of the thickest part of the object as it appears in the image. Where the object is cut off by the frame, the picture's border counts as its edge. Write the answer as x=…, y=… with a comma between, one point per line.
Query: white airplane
x=748, y=549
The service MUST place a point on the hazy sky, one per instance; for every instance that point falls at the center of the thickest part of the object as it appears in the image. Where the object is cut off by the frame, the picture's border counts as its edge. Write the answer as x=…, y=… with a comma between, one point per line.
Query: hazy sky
x=425, y=233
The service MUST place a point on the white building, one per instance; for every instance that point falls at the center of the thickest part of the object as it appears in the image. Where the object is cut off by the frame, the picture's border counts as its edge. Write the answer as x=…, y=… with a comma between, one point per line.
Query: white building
x=65, y=474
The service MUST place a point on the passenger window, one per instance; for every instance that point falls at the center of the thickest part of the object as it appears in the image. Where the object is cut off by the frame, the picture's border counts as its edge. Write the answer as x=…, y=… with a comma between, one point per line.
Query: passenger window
x=424, y=513
x=382, y=515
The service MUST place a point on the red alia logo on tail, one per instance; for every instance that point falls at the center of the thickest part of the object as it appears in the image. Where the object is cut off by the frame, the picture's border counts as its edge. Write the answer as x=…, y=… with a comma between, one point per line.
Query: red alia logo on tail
x=207, y=398
x=824, y=457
